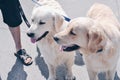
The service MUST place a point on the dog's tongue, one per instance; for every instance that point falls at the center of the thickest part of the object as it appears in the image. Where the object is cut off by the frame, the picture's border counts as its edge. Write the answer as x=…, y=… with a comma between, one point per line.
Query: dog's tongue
x=33, y=40
x=62, y=47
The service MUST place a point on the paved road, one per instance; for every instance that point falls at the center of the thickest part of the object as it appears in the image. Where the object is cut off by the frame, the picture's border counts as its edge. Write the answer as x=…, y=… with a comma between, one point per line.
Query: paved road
x=12, y=69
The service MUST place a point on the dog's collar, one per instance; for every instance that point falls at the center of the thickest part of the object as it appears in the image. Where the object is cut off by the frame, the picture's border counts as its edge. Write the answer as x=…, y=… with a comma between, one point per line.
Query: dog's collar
x=66, y=18
x=44, y=35
x=99, y=50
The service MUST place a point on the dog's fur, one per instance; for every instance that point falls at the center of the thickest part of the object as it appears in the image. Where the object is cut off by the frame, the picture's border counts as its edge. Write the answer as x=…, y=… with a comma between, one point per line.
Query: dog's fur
x=98, y=37
x=50, y=13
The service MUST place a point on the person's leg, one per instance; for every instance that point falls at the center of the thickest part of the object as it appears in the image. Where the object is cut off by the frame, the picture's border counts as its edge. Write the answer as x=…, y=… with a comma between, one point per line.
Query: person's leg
x=17, y=39
x=12, y=17
x=16, y=36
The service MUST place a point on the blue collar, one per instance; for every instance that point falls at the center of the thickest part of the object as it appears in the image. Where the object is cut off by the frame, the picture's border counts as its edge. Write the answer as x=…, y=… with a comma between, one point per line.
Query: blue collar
x=67, y=19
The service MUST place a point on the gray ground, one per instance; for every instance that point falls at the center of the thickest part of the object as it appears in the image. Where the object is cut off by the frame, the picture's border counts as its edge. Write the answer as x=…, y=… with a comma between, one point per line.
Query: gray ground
x=12, y=69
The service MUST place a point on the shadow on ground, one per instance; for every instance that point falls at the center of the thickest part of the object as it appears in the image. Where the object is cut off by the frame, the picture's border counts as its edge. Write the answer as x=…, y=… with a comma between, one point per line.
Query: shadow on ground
x=41, y=64
x=79, y=59
x=17, y=72
x=0, y=78
x=116, y=77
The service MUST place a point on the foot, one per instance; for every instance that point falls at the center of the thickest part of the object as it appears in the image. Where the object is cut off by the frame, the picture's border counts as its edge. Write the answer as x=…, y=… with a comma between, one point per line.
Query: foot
x=24, y=57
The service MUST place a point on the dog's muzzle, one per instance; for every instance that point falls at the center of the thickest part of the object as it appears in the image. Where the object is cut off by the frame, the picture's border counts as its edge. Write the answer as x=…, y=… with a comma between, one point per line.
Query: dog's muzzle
x=32, y=35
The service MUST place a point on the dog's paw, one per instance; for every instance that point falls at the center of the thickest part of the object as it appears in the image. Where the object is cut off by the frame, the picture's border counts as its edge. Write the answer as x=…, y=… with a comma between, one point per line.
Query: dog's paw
x=70, y=78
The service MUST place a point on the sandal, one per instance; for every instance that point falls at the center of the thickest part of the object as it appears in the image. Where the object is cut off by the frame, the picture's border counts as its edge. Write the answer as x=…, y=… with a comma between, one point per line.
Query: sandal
x=23, y=56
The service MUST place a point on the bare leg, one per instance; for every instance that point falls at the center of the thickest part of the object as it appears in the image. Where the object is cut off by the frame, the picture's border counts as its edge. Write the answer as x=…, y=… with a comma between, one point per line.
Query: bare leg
x=16, y=36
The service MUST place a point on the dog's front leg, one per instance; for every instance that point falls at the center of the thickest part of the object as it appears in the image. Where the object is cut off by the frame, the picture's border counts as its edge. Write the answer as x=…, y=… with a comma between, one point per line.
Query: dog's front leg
x=69, y=75
x=92, y=75
x=110, y=74
x=52, y=72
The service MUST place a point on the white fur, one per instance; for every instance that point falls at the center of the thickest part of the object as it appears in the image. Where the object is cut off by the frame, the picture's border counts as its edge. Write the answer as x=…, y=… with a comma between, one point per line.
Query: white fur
x=51, y=12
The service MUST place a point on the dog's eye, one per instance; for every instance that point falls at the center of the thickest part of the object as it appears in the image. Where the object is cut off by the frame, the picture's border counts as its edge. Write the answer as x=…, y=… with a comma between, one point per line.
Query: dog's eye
x=99, y=50
x=41, y=23
x=71, y=32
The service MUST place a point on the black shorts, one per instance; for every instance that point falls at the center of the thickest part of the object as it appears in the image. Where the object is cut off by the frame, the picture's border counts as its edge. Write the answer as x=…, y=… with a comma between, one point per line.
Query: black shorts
x=11, y=13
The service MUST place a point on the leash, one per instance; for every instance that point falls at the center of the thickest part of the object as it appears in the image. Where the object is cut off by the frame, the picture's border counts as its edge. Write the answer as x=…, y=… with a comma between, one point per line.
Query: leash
x=67, y=19
x=36, y=2
x=23, y=16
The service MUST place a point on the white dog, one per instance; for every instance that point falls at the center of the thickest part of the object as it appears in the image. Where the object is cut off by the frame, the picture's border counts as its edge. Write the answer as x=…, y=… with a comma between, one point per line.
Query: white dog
x=47, y=20
x=97, y=37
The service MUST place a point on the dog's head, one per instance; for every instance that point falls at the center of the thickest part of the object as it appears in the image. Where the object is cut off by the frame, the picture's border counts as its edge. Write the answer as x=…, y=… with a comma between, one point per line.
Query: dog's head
x=81, y=33
x=44, y=21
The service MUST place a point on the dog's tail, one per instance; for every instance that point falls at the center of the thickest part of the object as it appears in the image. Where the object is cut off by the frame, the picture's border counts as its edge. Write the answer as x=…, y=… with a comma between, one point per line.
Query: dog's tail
x=102, y=12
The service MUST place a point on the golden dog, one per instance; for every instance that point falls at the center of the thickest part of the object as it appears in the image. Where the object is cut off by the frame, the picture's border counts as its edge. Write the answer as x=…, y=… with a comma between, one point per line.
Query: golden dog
x=97, y=36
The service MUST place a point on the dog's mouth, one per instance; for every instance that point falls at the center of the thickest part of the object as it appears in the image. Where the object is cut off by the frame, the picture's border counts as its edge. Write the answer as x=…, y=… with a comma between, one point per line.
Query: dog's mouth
x=38, y=39
x=69, y=48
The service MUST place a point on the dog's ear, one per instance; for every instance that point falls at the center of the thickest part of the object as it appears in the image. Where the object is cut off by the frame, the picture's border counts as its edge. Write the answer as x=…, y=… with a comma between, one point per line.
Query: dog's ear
x=57, y=21
x=95, y=40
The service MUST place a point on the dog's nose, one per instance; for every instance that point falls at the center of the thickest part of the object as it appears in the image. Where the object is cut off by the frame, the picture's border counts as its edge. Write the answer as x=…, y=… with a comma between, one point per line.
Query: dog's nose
x=56, y=39
x=30, y=34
